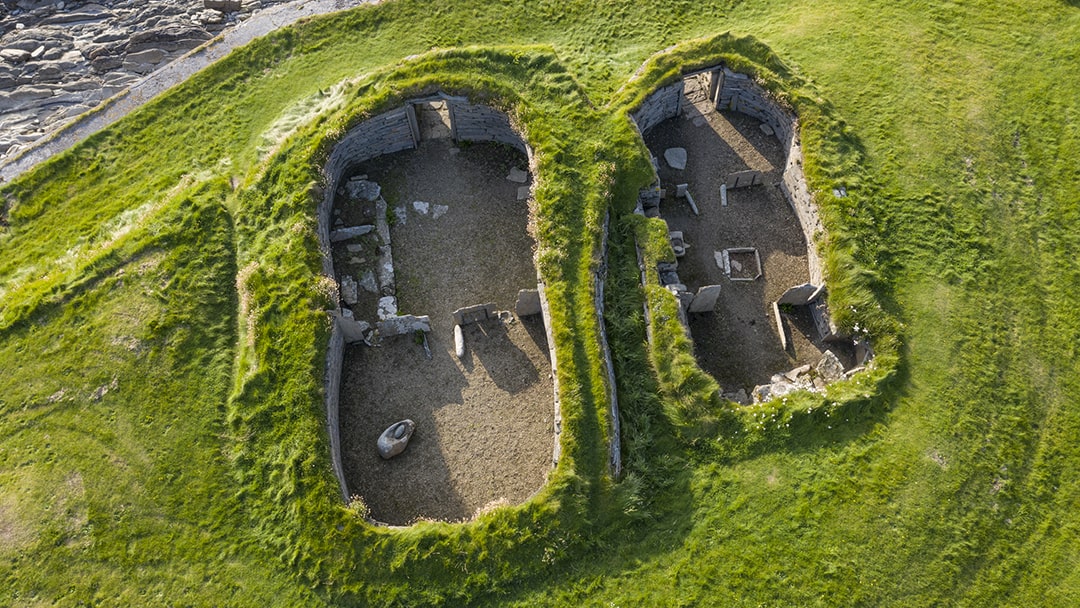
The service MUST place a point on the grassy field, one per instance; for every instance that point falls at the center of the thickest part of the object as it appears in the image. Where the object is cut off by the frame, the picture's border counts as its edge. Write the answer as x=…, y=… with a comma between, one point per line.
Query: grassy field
x=162, y=333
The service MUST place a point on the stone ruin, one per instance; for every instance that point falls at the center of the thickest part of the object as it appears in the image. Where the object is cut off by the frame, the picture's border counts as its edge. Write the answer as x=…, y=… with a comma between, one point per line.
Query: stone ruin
x=403, y=128
x=728, y=90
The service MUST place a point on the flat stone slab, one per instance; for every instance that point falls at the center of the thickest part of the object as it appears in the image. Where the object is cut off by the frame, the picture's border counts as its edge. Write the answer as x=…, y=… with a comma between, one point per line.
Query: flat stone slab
x=421, y=207
x=676, y=158
x=799, y=295
x=438, y=211
x=351, y=232
x=387, y=307
x=766, y=129
x=523, y=193
x=705, y=299
x=518, y=176
x=780, y=328
x=367, y=282
x=829, y=367
x=404, y=324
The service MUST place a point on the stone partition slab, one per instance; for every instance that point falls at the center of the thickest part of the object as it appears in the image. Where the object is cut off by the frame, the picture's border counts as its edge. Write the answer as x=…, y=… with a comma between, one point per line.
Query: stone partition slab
x=474, y=314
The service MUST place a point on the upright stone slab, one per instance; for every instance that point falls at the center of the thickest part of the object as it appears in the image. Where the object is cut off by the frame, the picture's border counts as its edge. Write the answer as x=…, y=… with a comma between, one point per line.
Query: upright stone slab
x=459, y=342
x=362, y=189
x=798, y=295
x=528, y=303
x=473, y=314
x=779, y=318
x=705, y=299
x=743, y=179
x=344, y=234
x=353, y=330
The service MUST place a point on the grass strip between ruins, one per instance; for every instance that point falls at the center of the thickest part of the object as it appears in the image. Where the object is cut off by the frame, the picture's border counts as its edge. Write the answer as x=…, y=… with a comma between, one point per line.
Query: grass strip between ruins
x=163, y=325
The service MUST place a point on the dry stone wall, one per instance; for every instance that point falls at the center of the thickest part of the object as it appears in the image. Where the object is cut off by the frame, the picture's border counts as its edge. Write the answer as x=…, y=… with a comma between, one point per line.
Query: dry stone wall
x=335, y=356
x=665, y=103
x=480, y=123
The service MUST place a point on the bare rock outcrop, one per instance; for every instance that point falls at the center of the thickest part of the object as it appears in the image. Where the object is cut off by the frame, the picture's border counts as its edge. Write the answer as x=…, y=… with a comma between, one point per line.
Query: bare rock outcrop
x=59, y=59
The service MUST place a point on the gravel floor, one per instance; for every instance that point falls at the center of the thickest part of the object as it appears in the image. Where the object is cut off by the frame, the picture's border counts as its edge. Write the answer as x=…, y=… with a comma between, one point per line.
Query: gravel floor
x=484, y=424
x=738, y=343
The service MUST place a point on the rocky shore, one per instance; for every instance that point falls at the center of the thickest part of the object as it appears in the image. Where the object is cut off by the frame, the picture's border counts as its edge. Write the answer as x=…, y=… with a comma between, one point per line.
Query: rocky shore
x=60, y=58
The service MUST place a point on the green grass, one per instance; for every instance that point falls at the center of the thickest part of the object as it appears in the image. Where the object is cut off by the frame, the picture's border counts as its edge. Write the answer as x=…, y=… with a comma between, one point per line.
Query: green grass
x=162, y=335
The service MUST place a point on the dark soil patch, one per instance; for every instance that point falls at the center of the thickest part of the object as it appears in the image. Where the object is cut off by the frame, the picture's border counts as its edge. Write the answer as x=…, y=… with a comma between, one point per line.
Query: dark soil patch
x=739, y=342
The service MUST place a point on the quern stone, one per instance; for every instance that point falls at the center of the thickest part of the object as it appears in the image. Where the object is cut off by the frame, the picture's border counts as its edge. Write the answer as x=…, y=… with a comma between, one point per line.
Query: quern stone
x=395, y=438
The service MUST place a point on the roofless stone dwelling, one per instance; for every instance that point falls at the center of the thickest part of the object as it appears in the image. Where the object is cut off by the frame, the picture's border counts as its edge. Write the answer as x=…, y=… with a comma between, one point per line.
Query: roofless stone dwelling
x=742, y=223
x=440, y=381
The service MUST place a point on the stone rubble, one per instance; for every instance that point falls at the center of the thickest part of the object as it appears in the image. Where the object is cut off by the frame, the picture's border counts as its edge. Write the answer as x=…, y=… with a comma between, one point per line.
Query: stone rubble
x=805, y=377
x=359, y=188
x=60, y=59
x=518, y=176
x=349, y=290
